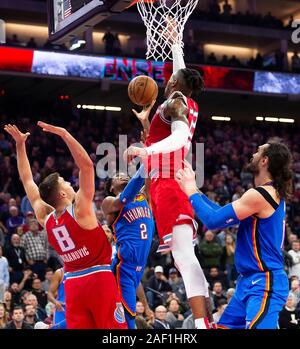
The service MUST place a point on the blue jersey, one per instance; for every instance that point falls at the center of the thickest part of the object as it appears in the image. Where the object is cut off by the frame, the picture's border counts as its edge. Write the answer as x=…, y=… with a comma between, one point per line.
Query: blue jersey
x=259, y=243
x=61, y=290
x=59, y=319
x=133, y=229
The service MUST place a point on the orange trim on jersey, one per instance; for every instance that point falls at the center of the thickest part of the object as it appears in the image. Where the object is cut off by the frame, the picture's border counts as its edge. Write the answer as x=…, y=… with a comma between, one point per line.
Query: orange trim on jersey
x=254, y=243
x=222, y=327
x=133, y=314
x=114, y=223
x=264, y=301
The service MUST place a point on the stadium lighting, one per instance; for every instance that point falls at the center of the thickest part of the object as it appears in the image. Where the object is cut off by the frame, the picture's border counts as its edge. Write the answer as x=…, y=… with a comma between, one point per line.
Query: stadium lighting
x=291, y=121
x=98, y=107
x=272, y=119
x=113, y=108
x=221, y=118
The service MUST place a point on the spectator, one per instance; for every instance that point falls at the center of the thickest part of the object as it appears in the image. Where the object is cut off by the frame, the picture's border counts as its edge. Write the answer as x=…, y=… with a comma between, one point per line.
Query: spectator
x=216, y=275
x=30, y=315
x=218, y=294
x=26, y=282
x=109, y=41
x=31, y=43
x=188, y=323
x=142, y=324
x=35, y=244
x=224, y=61
x=160, y=322
x=14, y=221
x=295, y=289
x=222, y=304
x=211, y=59
x=157, y=287
x=15, y=41
x=227, y=259
x=141, y=319
x=290, y=239
x=4, y=275
x=227, y=8
x=48, y=278
x=15, y=255
x=8, y=300
x=117, y=45
x=174, y=317
x=15, y=293
x=258, y=62
x=3, y=316
x=40, y=294
x=296, y=62
x=18, y=322
x=229, y=294
x=32, y=300
x=26, y=206
x=289, y=317
x=177, y=284
x=295, y=254
x=210, y=251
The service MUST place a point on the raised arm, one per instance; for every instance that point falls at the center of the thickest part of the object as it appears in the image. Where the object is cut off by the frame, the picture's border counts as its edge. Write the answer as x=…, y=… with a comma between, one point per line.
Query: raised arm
x=218, y=217
x=41, y=209
x=85, y=195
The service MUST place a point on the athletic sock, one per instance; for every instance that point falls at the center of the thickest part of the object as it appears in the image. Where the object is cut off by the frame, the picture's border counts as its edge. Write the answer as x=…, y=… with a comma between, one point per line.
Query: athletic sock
x=202, y=324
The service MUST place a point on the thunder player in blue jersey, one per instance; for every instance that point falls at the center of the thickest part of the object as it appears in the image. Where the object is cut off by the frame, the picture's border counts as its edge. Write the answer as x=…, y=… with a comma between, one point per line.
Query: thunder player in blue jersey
x=262, y=286
x=131, y=218
x=56, y=295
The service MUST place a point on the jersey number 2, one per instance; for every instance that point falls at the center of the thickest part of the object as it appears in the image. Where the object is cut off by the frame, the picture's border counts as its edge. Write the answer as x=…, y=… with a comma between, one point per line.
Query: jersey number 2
x=63, y=238
x=144, y=235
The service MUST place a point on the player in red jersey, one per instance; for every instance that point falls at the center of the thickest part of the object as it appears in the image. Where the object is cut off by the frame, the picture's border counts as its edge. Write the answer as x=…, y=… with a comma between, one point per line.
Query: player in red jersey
x=169, y=139
x=92, y=299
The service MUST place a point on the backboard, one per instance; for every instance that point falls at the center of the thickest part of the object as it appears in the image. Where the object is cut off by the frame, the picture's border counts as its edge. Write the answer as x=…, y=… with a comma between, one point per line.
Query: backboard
x=70, y=18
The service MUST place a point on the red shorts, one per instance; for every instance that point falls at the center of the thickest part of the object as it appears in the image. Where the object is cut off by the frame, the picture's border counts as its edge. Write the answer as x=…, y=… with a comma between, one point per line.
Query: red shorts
x=93, y=302
x=171, y=207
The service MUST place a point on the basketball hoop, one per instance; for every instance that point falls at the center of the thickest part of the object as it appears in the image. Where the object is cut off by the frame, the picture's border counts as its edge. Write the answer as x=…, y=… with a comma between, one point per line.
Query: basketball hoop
x=160, y=31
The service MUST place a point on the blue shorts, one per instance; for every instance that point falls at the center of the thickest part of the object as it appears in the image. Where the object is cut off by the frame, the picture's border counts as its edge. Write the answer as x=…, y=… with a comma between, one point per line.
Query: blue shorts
x=59, y=320
x=128, y=276
x=257, y=301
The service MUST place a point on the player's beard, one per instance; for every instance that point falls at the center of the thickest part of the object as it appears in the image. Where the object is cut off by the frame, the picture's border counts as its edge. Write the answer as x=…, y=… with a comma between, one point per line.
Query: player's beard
x=253, y=166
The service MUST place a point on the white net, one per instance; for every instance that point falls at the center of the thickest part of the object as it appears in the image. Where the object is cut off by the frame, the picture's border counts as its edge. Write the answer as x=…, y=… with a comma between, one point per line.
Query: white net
x=160, y=32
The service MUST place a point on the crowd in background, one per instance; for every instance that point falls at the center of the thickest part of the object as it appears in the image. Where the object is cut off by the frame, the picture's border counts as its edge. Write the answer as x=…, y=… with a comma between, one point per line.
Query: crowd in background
x=194, y=51
x=27, y=262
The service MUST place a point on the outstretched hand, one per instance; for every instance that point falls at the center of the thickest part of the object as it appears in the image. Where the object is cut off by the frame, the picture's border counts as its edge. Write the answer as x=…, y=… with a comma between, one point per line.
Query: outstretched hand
x=133, y=152
x=16, y=134
x=60, y=131
x=186, y=179
x=144, y=114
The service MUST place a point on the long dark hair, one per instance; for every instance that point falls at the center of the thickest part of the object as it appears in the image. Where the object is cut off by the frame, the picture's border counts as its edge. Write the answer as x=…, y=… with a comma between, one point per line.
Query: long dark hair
x=280, y=167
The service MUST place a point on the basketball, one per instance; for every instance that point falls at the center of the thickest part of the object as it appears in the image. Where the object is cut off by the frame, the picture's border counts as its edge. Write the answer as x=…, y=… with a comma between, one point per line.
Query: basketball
x=142, y=90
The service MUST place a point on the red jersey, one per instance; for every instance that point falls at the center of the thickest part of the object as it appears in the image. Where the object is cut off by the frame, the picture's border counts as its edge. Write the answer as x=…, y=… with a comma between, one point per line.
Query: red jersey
x=78, y=248
x=160, y=128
